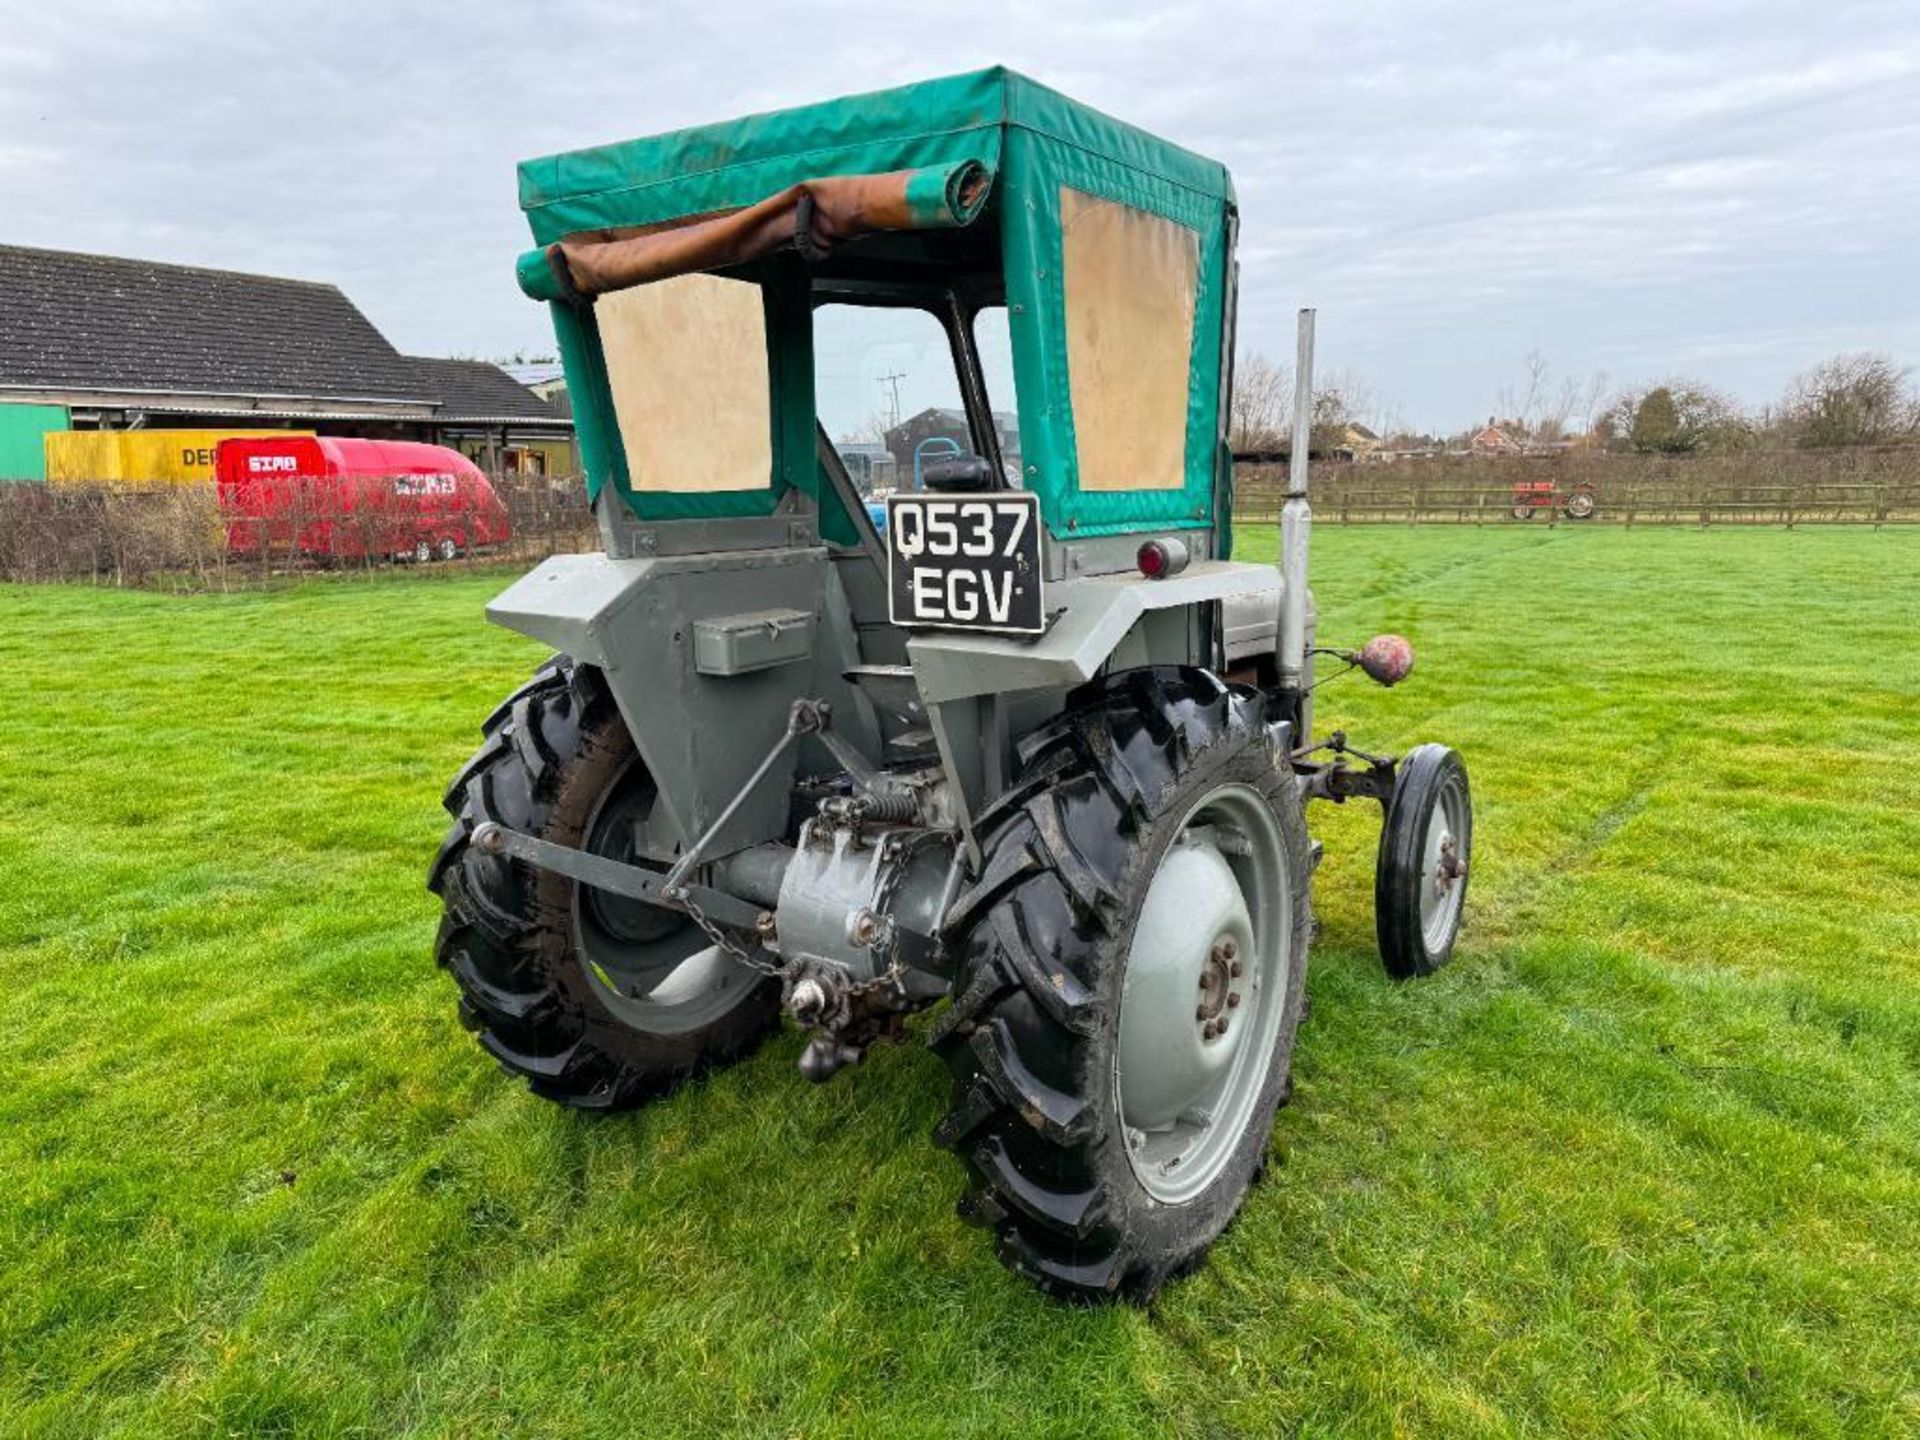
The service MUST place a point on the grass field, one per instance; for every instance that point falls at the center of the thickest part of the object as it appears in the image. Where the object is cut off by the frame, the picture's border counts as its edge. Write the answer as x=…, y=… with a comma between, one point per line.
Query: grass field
x=1645, y=1160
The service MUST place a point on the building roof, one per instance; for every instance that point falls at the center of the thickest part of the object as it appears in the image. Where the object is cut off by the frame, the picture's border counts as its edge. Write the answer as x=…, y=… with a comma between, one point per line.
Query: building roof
x=947, y=415
x=536, y=372
x=478, y=390
x=94, y=322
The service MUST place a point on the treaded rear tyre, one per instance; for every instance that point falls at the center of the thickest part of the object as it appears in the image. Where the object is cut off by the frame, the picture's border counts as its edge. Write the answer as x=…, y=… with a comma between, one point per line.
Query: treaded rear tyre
x=507, y=937
x=1042, y=944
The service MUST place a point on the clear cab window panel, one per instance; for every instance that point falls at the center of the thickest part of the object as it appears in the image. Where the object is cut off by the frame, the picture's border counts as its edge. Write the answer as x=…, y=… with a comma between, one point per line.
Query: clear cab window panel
x=993, y=344
x=887, y=392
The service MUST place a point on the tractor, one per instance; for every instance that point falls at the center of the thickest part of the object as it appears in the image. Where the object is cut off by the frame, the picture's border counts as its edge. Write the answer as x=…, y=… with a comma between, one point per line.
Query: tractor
x=1034, y=754
x=1577, y=503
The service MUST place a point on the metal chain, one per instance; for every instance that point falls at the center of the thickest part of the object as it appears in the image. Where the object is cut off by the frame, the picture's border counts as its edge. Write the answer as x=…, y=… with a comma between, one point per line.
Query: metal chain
x=725, y=942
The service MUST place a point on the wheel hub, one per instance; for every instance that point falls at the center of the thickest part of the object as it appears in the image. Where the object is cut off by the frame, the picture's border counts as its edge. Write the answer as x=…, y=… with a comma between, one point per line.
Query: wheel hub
x=1219, y=986
x=1445, y=868
x=1174, y=1049
x=1205, y=984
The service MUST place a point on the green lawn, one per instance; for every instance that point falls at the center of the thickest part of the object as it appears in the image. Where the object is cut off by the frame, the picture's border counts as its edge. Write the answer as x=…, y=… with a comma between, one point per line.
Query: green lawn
x=1645, y=1160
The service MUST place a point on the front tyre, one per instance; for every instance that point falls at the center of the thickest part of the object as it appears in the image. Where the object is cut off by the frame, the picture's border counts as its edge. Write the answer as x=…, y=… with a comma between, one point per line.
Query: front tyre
x=1420, y=880
x=596, y=1000
x=1131, y=972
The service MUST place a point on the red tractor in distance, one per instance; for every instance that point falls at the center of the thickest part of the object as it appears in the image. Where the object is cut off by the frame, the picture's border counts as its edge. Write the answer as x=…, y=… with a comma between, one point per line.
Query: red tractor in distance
x=1543, y=495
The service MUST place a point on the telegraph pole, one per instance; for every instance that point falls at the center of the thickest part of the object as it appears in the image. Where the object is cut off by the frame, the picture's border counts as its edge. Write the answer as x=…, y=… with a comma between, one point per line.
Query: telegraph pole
x=893, y=381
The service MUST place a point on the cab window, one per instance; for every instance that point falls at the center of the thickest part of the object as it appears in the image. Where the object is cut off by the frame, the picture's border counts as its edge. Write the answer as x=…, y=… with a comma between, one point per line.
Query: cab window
x=886, y=391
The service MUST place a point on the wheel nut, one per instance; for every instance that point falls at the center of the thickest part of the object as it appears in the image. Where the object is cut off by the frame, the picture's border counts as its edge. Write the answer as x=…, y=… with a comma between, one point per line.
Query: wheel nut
x=1233, y=999
x=1200, y=1014
x=1220, y=1026
x=1234, y=970
x=1229, y=949
x=1206, y=979
x=1211, y=1031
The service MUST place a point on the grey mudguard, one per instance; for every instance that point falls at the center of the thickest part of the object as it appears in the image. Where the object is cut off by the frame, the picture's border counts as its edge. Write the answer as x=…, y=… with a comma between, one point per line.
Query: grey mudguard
x=700, y=734
x=1094, y=615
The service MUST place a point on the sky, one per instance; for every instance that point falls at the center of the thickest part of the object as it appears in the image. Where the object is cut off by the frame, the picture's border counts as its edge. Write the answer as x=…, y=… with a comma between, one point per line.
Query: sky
x=1630, y=190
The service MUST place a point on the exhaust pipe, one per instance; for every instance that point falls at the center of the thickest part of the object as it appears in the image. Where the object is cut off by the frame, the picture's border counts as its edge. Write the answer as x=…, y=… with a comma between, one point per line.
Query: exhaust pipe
x=1296, y=524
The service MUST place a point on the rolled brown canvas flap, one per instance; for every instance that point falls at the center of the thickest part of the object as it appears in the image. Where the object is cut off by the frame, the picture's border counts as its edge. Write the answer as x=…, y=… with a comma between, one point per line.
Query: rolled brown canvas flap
x=837, y=209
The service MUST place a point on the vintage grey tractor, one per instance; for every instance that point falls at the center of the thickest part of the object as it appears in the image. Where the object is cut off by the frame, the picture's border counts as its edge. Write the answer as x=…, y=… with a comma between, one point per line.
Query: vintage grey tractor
x=1034, y=746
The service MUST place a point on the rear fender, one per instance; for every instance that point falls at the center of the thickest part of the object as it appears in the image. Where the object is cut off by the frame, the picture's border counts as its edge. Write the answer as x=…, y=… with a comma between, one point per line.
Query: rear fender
x=982, y=691
x=700, y=732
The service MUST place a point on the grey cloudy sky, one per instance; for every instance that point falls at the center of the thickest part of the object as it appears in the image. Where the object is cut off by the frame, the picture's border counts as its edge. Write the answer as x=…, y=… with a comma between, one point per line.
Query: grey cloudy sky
x=1724, y=189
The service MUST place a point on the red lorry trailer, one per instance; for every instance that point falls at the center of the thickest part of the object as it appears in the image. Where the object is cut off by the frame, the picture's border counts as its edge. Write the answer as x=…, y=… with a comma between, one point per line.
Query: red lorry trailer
x=348, y=499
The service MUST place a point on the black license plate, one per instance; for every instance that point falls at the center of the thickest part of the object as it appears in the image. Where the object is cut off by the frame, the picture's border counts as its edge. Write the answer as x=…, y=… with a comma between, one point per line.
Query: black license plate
x=966, y=562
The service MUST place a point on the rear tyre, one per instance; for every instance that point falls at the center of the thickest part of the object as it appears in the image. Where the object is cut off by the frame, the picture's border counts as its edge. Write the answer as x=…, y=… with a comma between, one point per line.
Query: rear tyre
x=1580, y=505
x=597, y=1001
x=1523, y=512
x=1420, y=880
x=1131, y=969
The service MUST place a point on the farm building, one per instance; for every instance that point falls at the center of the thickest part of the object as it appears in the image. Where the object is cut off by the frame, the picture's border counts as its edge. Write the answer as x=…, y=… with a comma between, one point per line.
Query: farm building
x=946, y=424
x=1495, y=439
x=95, y=343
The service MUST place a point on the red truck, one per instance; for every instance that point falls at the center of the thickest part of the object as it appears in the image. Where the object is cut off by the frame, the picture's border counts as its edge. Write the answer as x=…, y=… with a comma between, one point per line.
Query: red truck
x=322, y=496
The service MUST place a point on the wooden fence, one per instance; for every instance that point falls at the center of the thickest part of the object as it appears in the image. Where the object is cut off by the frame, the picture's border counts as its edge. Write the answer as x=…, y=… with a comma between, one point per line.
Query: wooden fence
x=174, y=536
x=1794, y=487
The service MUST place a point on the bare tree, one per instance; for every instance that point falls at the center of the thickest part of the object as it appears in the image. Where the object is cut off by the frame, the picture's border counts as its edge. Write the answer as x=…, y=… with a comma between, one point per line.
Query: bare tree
x=1262, y=414
x=871, y=431
x=1262, y=404
x=1592, y=398
x=1538, y=373
x=1551, y=426
x=1858, y=399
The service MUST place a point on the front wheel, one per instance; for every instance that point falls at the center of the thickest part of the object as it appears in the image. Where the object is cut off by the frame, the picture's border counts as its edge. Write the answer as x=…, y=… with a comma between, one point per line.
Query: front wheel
x=596, y=1000
x=1131, y=972
x=1420, y=880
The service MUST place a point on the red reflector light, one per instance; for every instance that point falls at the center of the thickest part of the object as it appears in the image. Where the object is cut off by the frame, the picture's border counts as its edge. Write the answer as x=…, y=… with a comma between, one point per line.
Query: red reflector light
x=1158, y=559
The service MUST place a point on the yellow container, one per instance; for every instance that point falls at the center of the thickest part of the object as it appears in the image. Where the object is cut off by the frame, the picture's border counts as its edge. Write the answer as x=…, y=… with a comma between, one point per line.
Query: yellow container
x=167, y=457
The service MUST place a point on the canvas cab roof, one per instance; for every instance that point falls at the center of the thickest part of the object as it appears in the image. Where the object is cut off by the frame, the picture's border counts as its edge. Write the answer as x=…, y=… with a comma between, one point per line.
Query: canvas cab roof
x=736, y=163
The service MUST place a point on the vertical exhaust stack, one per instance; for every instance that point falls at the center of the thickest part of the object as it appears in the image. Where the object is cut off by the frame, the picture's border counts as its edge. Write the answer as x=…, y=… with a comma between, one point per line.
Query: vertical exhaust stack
x=1296, y=522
